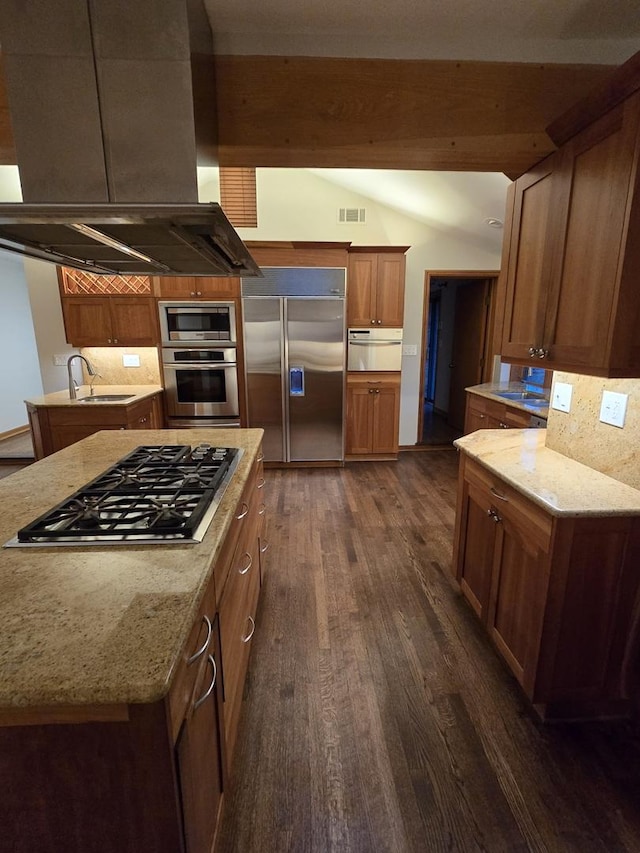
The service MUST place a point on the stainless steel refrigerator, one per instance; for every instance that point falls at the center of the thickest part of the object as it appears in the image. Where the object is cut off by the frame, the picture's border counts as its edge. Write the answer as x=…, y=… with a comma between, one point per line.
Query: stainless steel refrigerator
x=294, y=348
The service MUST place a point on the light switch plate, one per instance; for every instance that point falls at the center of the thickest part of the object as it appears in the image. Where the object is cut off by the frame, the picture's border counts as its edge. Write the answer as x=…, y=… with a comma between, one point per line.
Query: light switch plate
x=131, y=360
x=409, y=349
x=561, y=399
x=60, y=360
x=614, y=408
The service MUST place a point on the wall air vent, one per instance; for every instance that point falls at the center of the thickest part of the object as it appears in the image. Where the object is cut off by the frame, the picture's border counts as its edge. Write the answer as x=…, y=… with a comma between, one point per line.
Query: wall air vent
x=352, y=215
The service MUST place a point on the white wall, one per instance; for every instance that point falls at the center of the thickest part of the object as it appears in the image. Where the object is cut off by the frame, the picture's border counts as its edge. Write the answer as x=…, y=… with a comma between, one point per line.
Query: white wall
x=295, y=204
x=20, y=374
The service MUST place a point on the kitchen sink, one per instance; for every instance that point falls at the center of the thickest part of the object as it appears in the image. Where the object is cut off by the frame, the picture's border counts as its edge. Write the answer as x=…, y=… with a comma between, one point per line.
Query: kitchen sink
x=105, y=398
x=528, y=397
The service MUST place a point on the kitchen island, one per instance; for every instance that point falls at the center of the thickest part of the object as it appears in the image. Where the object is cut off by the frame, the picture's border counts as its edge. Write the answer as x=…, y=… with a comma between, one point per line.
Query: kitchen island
x=546, y=552
x=106, y=652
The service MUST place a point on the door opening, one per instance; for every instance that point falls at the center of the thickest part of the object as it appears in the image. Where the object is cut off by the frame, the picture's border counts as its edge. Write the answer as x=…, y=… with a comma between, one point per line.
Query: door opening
x=457, y=351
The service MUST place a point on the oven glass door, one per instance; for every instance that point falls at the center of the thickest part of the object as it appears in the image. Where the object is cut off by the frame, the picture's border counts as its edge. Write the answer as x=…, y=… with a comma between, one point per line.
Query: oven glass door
x=196, y=390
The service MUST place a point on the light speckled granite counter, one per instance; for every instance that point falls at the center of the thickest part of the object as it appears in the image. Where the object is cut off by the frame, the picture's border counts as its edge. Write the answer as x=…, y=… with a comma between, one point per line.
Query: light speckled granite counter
x=491, y=389
x=560, y=485
x=100, y=625
x=61, y=398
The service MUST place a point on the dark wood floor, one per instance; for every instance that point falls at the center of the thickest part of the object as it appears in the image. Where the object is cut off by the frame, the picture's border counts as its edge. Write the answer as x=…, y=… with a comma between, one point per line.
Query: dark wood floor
x=377, y=717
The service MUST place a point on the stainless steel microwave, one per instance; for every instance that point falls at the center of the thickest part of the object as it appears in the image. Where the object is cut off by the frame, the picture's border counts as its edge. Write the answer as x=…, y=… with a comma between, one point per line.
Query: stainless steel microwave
x=189, y=323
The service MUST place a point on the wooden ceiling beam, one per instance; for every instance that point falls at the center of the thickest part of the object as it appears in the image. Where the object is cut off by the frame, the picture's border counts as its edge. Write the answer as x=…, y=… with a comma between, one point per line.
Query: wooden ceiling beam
x=395, y=114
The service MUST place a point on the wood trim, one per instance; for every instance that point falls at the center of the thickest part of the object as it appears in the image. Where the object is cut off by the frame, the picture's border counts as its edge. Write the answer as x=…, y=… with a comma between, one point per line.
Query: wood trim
x=299, y=255
x=618, y=85
x=63, y=714
x=11, y=433
x=377, y=249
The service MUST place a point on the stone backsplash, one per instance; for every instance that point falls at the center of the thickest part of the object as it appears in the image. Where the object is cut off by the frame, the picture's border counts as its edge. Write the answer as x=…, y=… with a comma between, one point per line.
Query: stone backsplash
x=580, y=435
x=108, y=361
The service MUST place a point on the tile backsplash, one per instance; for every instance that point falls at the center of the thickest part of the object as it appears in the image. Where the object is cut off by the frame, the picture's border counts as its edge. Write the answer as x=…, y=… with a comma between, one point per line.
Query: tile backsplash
x=580, y=435
x=108, y=362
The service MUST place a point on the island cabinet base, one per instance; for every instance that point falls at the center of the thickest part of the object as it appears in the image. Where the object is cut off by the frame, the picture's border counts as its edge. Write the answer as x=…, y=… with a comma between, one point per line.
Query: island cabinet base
x=558, y=595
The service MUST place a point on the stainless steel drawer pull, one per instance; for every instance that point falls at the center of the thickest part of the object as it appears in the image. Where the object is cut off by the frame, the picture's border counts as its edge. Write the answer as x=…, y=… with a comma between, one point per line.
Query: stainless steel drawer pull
x=246, y=569
x=204, y=698
x=263, y=509
x=253, y=628
x=204, y=646
x=264, y=548
x=497, y=494
x=261, y=483
x=260, y=457
x=244, y=512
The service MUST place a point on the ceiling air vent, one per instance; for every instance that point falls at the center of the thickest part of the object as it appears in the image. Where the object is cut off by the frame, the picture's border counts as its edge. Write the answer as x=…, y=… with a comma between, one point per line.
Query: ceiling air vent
x=351, y=215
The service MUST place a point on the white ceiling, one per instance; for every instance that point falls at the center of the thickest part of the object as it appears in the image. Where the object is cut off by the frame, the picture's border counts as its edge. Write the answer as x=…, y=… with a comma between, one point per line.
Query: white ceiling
x=589, y=31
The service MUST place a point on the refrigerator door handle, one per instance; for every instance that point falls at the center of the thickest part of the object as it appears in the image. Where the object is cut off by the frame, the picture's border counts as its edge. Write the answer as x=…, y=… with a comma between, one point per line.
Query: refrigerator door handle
x=296, y=381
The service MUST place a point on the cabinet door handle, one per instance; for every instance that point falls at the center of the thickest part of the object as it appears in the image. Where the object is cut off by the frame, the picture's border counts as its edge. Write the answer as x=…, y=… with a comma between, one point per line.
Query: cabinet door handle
x=503, y=425
x=206, y=695
x=533, y=351
x=497, y=494
x=253, y=628
x=244, y=511
x=261, y=483
x=115, y=340
x=194, y=657
x=542, y=352
x=260, y=457
x=494, y=515
x=374, y=382
x=264, y=548
x=263, y=509
x=373, y=322
x=248, y=566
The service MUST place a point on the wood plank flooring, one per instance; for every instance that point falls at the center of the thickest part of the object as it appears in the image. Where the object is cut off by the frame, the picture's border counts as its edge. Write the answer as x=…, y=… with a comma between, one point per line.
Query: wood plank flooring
x=377, y=716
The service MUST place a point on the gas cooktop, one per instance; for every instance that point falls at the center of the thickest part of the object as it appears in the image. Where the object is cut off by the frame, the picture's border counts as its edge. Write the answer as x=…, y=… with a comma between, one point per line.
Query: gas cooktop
x=155, y=495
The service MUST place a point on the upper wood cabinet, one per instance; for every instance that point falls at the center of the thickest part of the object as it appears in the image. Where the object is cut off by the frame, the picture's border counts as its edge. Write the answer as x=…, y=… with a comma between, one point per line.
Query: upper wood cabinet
x=110, y=321
x=571, y=258
x=195, y=287
x=375, y=287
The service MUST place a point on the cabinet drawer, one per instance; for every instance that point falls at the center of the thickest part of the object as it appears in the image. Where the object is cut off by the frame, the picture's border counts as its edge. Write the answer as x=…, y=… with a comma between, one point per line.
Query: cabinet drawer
x=192, y=659
x=237, y=529
x=507, y=501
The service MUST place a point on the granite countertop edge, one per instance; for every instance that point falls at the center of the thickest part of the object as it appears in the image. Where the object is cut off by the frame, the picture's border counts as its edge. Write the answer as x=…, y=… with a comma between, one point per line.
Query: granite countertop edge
x=559, y=485
x=61, y=398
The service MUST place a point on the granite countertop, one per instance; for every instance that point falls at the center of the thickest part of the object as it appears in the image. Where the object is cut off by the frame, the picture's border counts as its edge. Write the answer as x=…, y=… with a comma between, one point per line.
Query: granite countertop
x=61, y=398
x=101, y=624
x=491, y=389
x=558, y=484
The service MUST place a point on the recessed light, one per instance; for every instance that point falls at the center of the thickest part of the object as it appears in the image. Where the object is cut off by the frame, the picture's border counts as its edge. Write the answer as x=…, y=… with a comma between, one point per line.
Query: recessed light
x=494, y=223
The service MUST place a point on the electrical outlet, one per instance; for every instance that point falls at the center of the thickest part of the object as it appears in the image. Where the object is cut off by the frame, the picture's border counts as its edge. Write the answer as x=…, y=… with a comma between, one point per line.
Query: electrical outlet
x=613, y=408
x=561, y=398
x=131, y=360
x=409, y=349
x=60, y=360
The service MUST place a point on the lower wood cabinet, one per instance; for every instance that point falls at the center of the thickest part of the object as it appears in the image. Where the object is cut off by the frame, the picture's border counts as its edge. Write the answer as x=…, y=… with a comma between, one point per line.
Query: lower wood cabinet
x=55, y=427
x=484, y=413
x=556, y=594
x=373, y=414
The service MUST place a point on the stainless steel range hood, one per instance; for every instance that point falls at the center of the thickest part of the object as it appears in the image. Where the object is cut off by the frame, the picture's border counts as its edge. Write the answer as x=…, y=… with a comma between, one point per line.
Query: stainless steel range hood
x=101, y=96
x=128, y=239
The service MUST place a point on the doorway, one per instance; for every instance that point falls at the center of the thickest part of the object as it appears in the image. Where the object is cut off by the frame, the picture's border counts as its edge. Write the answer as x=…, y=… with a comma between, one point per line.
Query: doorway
x=457, y=340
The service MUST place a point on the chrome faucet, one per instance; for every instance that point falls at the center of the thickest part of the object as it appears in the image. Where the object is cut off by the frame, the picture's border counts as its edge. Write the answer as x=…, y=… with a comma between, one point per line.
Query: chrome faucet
x=72, y=384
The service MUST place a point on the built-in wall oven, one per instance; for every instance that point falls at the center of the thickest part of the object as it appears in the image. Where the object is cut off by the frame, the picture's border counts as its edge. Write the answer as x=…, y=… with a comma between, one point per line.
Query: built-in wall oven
x=199, y=363
x=201, y=386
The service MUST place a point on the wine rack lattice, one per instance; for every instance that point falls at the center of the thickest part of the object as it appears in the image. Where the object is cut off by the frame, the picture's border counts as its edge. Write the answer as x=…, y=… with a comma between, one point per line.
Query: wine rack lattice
x=77, y=282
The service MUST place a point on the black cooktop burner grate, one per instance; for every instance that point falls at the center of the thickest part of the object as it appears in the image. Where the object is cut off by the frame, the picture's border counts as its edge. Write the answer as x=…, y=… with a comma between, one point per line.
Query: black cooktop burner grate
x=152, y=493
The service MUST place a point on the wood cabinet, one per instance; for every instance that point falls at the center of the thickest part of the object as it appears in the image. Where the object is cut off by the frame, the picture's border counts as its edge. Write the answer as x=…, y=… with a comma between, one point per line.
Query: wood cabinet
x=55, y=427
x=484, y=413
x=194, y=287
x=373, y=413
x=375, y=288
x=110, y=321
x=571, y=259
x=556, y=594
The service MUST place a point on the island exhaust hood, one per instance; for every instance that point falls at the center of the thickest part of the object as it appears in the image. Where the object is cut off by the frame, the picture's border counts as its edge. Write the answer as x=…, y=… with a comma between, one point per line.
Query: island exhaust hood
x=102, y=108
